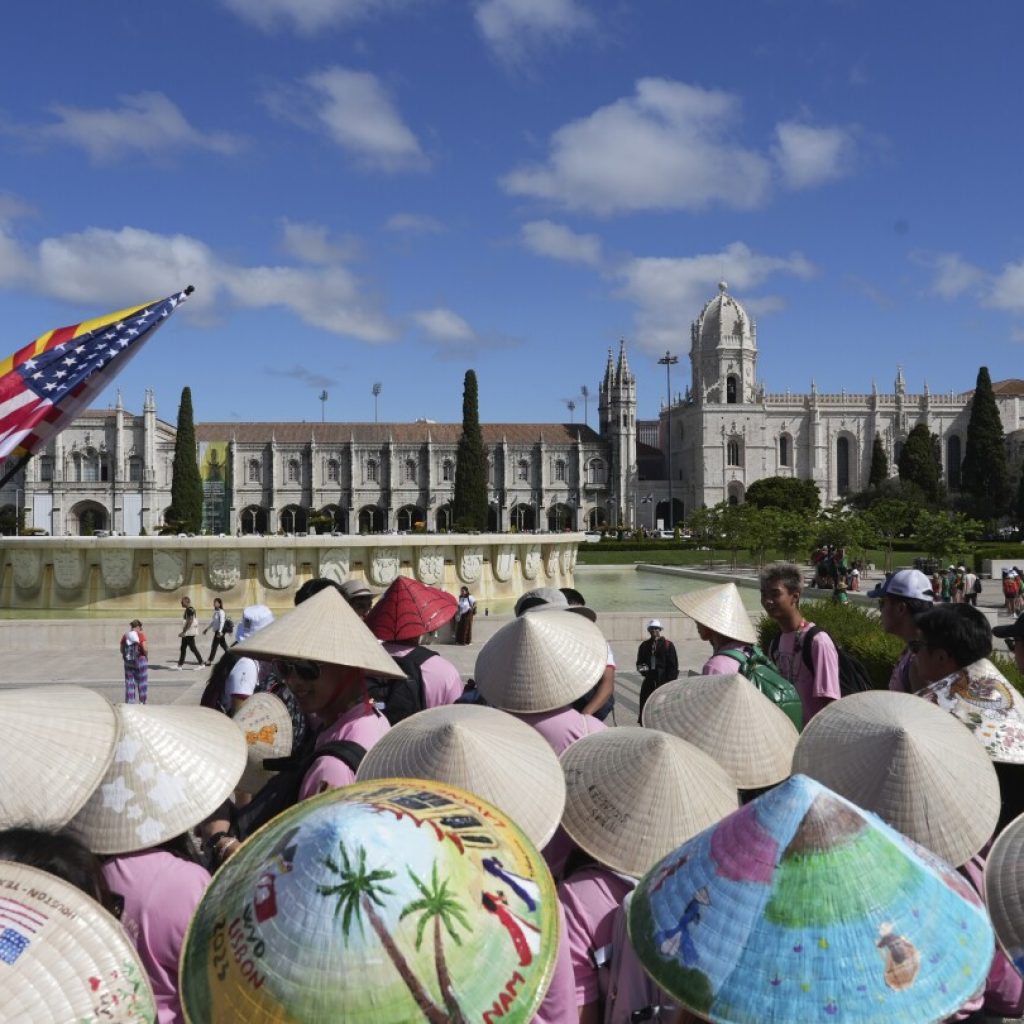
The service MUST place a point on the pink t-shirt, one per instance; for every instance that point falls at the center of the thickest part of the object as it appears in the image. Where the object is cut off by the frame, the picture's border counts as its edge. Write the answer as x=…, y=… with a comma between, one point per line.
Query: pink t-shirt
x=442, y=683
x=361, y=724
x=562, y=728
x=589, y=900
x=160, y=893
x=819, y=685
x=559, y=1005
x=722, y=664
x=899, y=681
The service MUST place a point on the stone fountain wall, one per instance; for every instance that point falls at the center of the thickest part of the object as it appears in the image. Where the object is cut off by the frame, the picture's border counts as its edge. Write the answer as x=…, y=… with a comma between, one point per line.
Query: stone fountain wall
x=149, y=575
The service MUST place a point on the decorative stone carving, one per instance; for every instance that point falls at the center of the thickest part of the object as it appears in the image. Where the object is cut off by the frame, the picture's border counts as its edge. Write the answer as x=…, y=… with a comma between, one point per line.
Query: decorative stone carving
x=334, y=564
x=430, y=566
x=471, y=563
x=551, y=561
x=223, y=569
x=531, y=561
x=168, y=569
x=568, y=560
x=384, y=566
x=27, y=566
x=279, y=568
x=503, y=561
x=67, y=569
x=117, y=566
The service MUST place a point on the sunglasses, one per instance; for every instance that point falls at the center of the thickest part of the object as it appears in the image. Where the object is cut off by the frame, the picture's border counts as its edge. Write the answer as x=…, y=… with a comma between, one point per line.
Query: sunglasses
x=305, y=670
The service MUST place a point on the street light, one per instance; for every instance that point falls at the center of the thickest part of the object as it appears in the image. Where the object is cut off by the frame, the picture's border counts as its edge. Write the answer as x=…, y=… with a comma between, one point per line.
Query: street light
x=668, y=361
x=323, y=401
x=585, y=392
x=572, y=410
x=376, y=389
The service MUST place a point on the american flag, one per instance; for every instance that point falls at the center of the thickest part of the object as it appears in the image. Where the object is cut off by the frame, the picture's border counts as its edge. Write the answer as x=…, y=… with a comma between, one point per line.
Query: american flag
x=46, y=384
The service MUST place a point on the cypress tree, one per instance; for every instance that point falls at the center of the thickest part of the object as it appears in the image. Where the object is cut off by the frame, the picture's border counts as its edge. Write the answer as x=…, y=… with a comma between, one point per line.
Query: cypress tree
x=186, y=511
x=469, y=505
x=985, y=476
x=879, y=464
x=919, y=465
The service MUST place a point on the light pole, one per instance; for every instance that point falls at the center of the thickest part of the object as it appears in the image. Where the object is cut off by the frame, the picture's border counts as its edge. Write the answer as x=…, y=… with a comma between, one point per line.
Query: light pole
x=376, y=389
x=572, y=410
x=585, y=392
x=323, y=402
x=668, y=361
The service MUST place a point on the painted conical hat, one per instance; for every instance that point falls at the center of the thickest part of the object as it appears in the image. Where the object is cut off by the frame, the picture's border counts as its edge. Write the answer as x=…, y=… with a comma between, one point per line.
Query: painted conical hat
x=719, y=608
x=916, y=767
x=730, y=719
x=174, y=766
x=483, y=750
x=982, y=698
x=541, y=662
x=801, y=907
x=408, y=609
x=634, y=794
x=58, y=742
x=266, y=725
x=63, y=957
x=386, y=901
x=324, y=629
x=1004, y=890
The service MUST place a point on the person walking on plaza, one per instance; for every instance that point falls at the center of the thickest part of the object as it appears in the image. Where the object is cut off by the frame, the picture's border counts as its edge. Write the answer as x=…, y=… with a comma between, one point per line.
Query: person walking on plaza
x=656, y=661
x=464, y=618
x=217, y=625
x=135, y=655
x=189, y=629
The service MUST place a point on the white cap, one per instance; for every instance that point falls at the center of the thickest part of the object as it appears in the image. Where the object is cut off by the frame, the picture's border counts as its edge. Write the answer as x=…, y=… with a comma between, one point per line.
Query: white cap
x=254, y=618
x=655, y=624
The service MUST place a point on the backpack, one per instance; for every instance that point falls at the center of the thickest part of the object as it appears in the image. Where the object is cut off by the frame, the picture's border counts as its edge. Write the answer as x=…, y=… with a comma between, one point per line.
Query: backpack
x=131, y=652
x=976, y=589
x=761, y=671
x=471, y=695
x=229, y=624
x=282, y=791
x=397, y=699
x=853, y=676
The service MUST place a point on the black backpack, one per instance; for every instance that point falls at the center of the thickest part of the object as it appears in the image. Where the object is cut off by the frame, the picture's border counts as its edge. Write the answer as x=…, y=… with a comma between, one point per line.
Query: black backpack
x=853, y=676
x=977, y=585
x=397, y=699
x=282, y=791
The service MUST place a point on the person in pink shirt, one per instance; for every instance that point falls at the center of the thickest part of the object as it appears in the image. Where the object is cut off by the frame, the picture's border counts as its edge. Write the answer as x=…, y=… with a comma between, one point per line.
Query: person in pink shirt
x=723, y=622
x=442, y=683
x=817, y=684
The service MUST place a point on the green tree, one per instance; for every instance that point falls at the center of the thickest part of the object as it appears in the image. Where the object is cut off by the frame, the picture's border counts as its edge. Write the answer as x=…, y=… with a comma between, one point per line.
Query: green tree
x=186, y=511
x=944, y=534
x=469, y=505
x=888, y=519
x=786, y=493
x=1018, y=505
x=734, y=529
x=763, y=528
x=919, y=465
x=879, y=471
x=985, y=476
x=795, y=535
x=706, y=528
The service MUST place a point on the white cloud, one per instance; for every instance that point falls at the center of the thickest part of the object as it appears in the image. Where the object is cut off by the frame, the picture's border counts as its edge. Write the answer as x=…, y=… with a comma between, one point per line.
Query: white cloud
x=1007, y=291
x=99, y=266
x=809, y=156
x=666, y=290
x=512, y=28
x=667, y=147
x=312, y=243
x=12, y=207
x=357, y=113
x=414, y=223
x=444, y=325
x=952, y=275
x=147, y=122
x=547, y=238
x=307, y=16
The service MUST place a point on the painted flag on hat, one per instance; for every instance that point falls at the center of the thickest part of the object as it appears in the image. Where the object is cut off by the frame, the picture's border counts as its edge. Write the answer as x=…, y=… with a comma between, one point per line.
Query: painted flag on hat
x=46, y=384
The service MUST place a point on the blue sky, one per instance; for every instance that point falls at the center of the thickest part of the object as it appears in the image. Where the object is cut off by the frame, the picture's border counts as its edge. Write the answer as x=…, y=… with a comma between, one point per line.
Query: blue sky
x=398, y=190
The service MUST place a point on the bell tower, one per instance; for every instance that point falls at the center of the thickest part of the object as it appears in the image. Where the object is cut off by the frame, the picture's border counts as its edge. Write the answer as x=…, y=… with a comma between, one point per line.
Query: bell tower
x=617, y=413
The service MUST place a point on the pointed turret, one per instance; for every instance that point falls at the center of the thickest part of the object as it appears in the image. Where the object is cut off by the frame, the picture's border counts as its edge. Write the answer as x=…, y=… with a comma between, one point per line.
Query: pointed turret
x=623, y=376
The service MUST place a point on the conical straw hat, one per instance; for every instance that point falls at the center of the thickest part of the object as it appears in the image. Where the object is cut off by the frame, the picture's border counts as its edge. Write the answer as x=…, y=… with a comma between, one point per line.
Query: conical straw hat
x=266, y=725
x=917, y=768
x=1004, y=890
x=980, y=696
x=361, y=903
x=480, y=749
x=63, y=957
x=541, y=662
x=324, y=629
x=634, y=794
x=174, y=766
x=408, y=609
x=719, y=608
x=728, y=718
x=58, y=742
x=803, y=908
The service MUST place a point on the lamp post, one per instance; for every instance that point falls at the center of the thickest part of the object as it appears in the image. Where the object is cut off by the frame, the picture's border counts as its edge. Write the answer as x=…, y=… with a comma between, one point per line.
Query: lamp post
x=668, y=361
x=376, y=389
x=585, y=392
x=323, y=403
x=572, y=410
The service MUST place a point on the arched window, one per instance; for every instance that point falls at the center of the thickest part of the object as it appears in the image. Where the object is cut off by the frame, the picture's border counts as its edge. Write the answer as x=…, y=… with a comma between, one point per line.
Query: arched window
x=490, y=472
x=897, y=451
x=294, y=471
x=255, y=474
x=843, y=465
x=596, y=472
x=559, y=469
x=732, y=453
x=410, y=471
x=88, y=466
x=46, y=468
x=371, y=470
x=731, y=390
x=953, y=460
x=448, y=470
x=333, y=470
x=523, y=470
x=135, y=470
x=785, y=450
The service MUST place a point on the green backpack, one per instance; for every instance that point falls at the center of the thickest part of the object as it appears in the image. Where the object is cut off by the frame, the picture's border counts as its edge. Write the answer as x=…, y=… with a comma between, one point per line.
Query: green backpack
x=761, y=671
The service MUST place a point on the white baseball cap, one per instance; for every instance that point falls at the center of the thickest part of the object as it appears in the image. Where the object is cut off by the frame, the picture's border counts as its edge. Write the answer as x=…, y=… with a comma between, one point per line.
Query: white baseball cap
x=655, y=624
x=909, y=583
